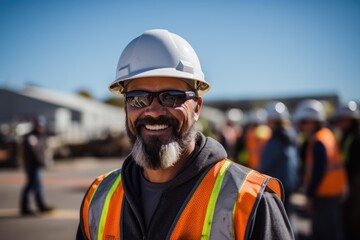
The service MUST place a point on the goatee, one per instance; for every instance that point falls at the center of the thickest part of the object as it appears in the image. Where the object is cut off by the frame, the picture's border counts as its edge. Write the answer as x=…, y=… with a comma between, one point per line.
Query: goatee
x=154, y=153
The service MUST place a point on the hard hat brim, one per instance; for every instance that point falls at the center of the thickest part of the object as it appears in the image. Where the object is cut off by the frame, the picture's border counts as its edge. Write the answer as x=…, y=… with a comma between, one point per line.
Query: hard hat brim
x=117, y=87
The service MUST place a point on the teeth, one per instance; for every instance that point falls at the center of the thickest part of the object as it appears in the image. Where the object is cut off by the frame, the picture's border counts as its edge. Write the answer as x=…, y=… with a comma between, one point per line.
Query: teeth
x=156, y=127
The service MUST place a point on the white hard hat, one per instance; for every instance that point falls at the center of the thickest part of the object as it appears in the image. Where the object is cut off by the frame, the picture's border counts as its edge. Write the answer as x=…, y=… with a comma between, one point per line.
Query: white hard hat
x=234, y=114
x=310, y=109
x=348, y=110
x=277, y=110
x=159, y=53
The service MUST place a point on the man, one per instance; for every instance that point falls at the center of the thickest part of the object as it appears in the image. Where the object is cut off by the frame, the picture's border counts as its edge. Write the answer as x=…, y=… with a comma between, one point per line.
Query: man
x=279, y=158
x=176, y=183
x=34, y=151
x=325, y=178
x=346, y=122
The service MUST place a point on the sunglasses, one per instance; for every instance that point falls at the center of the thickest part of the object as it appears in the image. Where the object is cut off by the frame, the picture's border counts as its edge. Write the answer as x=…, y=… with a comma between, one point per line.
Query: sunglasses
x=167, y=98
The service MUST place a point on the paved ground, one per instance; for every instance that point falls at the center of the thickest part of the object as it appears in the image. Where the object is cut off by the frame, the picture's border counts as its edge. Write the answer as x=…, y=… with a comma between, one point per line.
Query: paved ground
x=65, y=184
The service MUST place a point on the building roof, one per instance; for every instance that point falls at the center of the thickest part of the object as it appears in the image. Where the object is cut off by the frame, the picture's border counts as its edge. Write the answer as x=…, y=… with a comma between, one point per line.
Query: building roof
x=72, y=101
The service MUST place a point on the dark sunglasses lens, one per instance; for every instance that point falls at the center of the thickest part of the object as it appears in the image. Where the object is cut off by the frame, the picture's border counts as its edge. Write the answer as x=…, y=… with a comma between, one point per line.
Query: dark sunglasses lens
x=172, y=98
x=138, y=99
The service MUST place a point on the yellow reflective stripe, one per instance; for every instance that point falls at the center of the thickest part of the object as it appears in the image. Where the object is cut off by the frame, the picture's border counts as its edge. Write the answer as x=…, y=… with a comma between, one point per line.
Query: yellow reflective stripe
x=346, y=147
x=212, y=201
x=106, y=207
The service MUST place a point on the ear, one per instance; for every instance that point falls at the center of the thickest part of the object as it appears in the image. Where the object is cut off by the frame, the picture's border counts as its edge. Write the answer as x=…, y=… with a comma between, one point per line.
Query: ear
x=197, y=108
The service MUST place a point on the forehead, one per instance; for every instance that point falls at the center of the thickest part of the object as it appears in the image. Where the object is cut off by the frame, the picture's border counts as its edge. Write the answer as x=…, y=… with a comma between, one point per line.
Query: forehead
x=154, y=84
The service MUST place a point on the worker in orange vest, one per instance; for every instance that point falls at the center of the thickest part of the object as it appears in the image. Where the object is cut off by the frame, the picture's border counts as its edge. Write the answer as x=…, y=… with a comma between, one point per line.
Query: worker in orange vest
x=176, y=183
x=325, y=177
x=256, y=134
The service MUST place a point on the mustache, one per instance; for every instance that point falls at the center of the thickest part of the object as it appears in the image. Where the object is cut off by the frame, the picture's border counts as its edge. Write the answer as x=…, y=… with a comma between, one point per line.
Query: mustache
x=160, y=120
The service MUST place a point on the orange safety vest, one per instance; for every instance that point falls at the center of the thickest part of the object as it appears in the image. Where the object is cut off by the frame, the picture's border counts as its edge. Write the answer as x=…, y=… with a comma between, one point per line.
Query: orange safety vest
x=210, y=213
x=256, y=139
x=334, y=180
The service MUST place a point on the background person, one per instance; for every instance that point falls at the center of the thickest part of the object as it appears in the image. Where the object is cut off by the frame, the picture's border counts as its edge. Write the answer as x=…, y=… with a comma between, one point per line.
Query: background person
x=346, y=122
x=34, y=155
x=279, y=157
x=256, y=133
x=325, y=178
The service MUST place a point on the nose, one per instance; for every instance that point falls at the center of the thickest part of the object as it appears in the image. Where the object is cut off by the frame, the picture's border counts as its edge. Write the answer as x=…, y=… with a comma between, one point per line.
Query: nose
x=155, y=109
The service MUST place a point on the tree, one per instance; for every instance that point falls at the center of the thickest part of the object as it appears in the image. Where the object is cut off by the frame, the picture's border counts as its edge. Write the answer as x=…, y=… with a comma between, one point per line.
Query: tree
x=85, y=94
x=115, y=101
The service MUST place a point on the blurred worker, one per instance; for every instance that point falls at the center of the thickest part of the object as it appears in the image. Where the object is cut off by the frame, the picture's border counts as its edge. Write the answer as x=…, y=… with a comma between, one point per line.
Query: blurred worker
x=34, y=154
x=229, y=135
x=231, y=132
x=346, y=120
x=279, y=157
x=325, y=177
x=176, y=183
x=3, y=143
x=252, y=142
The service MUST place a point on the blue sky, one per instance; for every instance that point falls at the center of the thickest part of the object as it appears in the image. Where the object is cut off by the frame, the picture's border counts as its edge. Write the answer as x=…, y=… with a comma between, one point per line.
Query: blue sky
x=247, y=49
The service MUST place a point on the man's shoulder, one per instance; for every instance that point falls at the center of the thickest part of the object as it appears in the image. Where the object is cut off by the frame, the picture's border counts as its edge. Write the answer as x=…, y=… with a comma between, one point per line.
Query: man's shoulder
x=255, y=179
x=237, y=168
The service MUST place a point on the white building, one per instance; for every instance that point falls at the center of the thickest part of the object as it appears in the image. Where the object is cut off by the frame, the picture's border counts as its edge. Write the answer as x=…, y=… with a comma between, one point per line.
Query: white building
x=70, y=118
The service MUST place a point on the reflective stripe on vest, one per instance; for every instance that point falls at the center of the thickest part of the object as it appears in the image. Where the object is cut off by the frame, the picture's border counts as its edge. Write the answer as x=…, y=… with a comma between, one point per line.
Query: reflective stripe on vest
x=334, y=179
x=105, y=193
x=224, y=198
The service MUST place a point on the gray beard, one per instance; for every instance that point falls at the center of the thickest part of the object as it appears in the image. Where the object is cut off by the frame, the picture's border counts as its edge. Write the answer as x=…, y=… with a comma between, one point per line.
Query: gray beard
x=165, y=158
x=160, y=156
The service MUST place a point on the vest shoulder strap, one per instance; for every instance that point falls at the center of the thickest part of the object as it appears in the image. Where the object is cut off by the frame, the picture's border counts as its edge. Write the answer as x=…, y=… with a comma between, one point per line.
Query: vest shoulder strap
x=224, y=202
x=104, y=193
x=249, y=196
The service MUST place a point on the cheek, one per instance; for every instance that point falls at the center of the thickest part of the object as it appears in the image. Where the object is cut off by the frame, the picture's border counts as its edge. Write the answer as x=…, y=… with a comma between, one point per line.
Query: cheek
x=131, y=117
x=185, y=116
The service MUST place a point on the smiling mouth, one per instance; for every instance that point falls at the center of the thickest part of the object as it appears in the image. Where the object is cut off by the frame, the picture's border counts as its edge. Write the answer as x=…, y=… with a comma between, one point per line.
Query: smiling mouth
x=156, y=127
